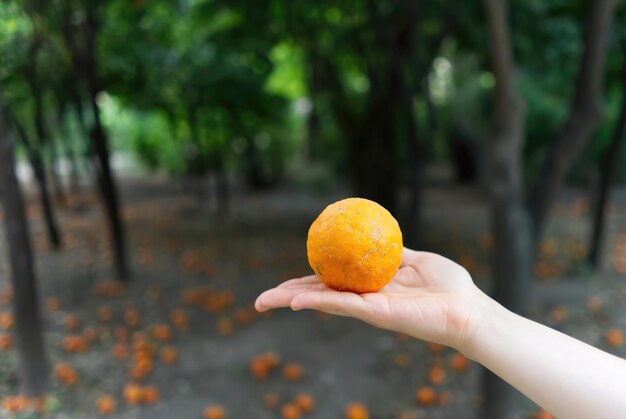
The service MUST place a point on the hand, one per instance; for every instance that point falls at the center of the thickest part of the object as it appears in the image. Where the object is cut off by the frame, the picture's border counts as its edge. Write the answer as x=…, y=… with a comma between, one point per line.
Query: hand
x=430, y=298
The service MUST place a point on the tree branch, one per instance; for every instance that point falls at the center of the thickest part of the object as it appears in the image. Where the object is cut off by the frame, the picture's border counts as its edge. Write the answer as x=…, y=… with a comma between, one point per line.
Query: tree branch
x=584, y=113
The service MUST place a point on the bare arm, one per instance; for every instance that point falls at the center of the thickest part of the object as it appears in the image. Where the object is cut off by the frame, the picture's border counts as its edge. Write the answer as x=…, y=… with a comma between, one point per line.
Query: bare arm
x=434, y=299
x=565, y=376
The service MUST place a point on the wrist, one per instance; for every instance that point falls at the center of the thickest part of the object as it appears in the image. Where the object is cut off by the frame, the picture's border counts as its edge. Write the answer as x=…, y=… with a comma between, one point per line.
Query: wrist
x=488, y=321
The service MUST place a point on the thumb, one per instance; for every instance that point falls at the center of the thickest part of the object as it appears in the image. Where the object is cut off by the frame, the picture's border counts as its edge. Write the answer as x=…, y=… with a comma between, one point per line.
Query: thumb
x=334, y=302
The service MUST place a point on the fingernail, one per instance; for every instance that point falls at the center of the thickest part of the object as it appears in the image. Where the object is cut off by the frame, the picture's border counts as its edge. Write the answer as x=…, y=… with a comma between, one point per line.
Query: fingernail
x=258, y=304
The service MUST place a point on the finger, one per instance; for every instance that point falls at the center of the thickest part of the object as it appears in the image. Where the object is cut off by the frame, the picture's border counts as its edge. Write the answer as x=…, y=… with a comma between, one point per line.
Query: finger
x=333, y=302
x=424, y=259
x=413, y=257
x=426, y=265
x=281, y=297
x=310, y=279
x=407, y=276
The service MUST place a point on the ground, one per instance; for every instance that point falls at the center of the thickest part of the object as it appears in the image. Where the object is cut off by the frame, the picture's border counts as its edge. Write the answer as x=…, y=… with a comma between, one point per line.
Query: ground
x=177, y=245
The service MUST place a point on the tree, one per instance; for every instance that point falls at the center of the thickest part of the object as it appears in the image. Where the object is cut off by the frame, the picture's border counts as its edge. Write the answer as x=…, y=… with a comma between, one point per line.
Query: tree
x=28, y=328
x=23, y=95
x=368, y=62
x=85, y=62
x=65, y=143
x=513, y=223
x=415, y=84
x=32, y=69
x=585, y=111
x=34, y=155
x=610, y=162
x=510, y=223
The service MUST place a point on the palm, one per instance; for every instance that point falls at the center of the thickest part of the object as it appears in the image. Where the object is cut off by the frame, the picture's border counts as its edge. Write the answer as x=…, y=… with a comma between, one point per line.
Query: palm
x=430, y=297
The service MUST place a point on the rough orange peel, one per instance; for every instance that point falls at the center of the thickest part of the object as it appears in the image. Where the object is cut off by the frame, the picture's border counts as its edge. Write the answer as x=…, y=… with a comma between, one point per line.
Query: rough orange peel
x=355, y=245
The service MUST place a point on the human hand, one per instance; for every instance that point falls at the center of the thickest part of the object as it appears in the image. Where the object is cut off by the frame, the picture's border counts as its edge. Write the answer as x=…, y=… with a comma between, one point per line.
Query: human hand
x=430, y=298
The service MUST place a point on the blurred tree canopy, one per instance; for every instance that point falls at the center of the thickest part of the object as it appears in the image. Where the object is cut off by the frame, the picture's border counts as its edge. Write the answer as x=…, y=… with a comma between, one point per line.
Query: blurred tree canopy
x=369, y=90
x=362, y=90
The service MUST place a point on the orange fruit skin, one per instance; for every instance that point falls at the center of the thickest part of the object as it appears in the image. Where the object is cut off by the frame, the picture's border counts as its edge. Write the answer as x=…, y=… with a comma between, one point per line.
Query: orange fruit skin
x=355, y=245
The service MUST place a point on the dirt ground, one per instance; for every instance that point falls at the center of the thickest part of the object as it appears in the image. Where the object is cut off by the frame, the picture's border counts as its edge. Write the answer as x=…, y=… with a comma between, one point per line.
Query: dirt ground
x=177, y=246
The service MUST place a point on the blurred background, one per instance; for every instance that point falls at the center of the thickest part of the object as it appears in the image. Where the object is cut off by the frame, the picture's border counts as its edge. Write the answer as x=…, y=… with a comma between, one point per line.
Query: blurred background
x=161, y=162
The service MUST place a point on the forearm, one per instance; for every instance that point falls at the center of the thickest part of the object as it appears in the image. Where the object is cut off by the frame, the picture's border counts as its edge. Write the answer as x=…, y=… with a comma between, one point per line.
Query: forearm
x=565, y=376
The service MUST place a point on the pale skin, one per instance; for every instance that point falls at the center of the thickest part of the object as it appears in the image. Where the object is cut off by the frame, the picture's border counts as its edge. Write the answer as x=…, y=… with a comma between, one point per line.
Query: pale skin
x=434, y=299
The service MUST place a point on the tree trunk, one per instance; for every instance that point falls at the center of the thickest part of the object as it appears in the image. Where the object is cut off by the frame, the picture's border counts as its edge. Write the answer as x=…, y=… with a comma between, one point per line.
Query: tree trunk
x=88, y=156
x=222, y=193
x=36, y=91
x=313, y=118
x=52, y=229
x=65, y=144
x=108, y=191
x=584, y=113
x=374, y=164
x=412, y=216
x=510, y=224
x=55, y=176
x=99, y=143
x=313, y=132
x=420, y=66
x=42, y=141
x=33, y=370
x=373, y=145
x=412, y=228
x=54, y=237
x=610, y=162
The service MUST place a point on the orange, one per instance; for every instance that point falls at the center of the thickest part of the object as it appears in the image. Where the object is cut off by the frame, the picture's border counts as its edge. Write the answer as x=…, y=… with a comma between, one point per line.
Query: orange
x=6, y=341
x=133, y=394
x=66, y=374
x=74, y=343
x=150, y=395
x=290, y=411
x=355, y=245
x=162, y=332
x=214, y=412
x=542, y=414
x=293, y=372
x=559, y=313
x=357, y=411
x=169, y=355
x=425, y=396
x=436, y=375
x=305, y=402
x=435, y=347
x=120, y=351
x=106, y=405
x=180, y=319
x=72, y=322
x=15, y=403
x=459, y=363
x=104, y=313
x=615, y=337
x=6, y=320
x=594, y=303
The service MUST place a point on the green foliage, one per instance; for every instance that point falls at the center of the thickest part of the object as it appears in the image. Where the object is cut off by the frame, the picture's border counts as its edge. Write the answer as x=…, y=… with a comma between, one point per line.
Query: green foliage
x=287, y=79
x=194, y=86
